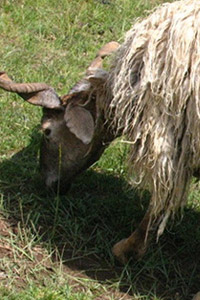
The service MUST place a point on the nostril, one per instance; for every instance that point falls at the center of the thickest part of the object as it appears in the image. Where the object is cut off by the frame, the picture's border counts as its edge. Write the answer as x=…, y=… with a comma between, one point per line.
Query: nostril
x=47, y=131
x=58, y=187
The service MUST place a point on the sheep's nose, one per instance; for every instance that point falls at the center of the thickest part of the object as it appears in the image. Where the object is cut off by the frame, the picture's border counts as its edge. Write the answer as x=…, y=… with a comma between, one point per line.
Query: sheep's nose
x=59, y=188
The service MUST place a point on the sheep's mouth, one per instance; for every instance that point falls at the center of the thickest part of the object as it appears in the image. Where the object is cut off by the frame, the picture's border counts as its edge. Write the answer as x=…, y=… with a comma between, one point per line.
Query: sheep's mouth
x=58, y=187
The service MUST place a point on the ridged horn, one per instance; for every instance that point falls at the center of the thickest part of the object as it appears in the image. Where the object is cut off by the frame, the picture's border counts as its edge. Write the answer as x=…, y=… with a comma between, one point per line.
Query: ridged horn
x=106, y=50
x=4, y=76
x=39, y=94
x=25, y=88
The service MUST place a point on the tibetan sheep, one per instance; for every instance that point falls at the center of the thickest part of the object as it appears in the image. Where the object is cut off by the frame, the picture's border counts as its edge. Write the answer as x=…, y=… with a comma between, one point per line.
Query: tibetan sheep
x=150, y=95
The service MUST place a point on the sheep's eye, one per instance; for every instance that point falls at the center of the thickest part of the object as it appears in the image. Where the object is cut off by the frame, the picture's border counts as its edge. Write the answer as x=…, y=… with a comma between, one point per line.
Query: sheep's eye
x=47, y=131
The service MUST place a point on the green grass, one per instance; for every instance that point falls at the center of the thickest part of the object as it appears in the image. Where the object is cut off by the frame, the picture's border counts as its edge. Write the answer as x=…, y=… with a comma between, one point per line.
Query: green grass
x=55, y=248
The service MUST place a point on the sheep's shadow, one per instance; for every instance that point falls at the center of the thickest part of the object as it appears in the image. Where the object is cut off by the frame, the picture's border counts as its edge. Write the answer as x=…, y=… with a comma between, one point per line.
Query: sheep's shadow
x=96, y=213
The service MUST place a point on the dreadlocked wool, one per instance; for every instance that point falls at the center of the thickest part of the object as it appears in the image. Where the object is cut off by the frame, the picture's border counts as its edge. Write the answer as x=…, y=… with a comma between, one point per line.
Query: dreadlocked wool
x=153, y=99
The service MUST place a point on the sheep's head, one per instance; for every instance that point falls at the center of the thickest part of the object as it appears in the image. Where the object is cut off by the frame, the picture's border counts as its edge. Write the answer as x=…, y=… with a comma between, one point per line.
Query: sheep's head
x=67, y=146
x=72, y=139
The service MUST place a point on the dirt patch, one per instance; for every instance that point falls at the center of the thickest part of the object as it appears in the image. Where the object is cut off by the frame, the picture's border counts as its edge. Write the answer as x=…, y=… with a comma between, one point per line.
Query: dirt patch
x=19, y=265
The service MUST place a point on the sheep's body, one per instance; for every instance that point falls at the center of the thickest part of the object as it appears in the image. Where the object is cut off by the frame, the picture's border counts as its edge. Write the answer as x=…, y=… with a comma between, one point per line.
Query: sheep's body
x=153, y=98
x=151, y=95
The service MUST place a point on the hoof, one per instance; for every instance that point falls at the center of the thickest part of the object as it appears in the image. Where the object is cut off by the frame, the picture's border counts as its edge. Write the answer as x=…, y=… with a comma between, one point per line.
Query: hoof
x=120, y=251
x=134, y=246
x=197, y=296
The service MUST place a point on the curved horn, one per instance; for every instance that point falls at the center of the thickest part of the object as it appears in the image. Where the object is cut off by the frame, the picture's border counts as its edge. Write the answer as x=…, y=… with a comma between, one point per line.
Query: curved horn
x=106, y=50
x=26, y=88
x=4, y=76
x=35, y=93
x=97, y=63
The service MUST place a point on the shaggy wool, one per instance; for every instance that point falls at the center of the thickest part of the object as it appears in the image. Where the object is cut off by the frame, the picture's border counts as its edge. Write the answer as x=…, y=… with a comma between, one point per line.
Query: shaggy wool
x=152, y=97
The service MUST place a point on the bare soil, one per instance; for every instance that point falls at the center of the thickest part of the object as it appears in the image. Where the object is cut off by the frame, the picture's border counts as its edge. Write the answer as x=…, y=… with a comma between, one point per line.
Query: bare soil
x=15, y=264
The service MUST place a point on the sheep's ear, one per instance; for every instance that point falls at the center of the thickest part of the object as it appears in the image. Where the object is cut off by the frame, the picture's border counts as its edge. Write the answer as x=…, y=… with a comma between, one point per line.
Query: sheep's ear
x=80, y=122
x=81, y=86
x=97, y=76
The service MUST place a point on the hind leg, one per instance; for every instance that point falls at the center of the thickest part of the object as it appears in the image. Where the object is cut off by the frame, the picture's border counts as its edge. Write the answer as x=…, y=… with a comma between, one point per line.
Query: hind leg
x=136, y=244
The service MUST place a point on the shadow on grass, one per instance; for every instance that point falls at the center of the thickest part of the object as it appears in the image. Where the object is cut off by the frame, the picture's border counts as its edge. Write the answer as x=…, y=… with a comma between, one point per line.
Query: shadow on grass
x=99, y=210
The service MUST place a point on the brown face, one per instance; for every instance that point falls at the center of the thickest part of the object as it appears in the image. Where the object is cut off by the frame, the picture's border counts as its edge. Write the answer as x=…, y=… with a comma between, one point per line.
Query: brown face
x=62, y=154
x=68, y=126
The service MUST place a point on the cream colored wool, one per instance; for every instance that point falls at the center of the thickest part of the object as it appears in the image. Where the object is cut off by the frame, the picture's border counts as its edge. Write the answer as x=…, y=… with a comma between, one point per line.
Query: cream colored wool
x=153, y=99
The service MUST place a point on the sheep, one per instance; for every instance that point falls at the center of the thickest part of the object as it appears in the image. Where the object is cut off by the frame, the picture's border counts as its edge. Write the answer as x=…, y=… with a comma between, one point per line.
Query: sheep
x=196, y=297
x=151, y=97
